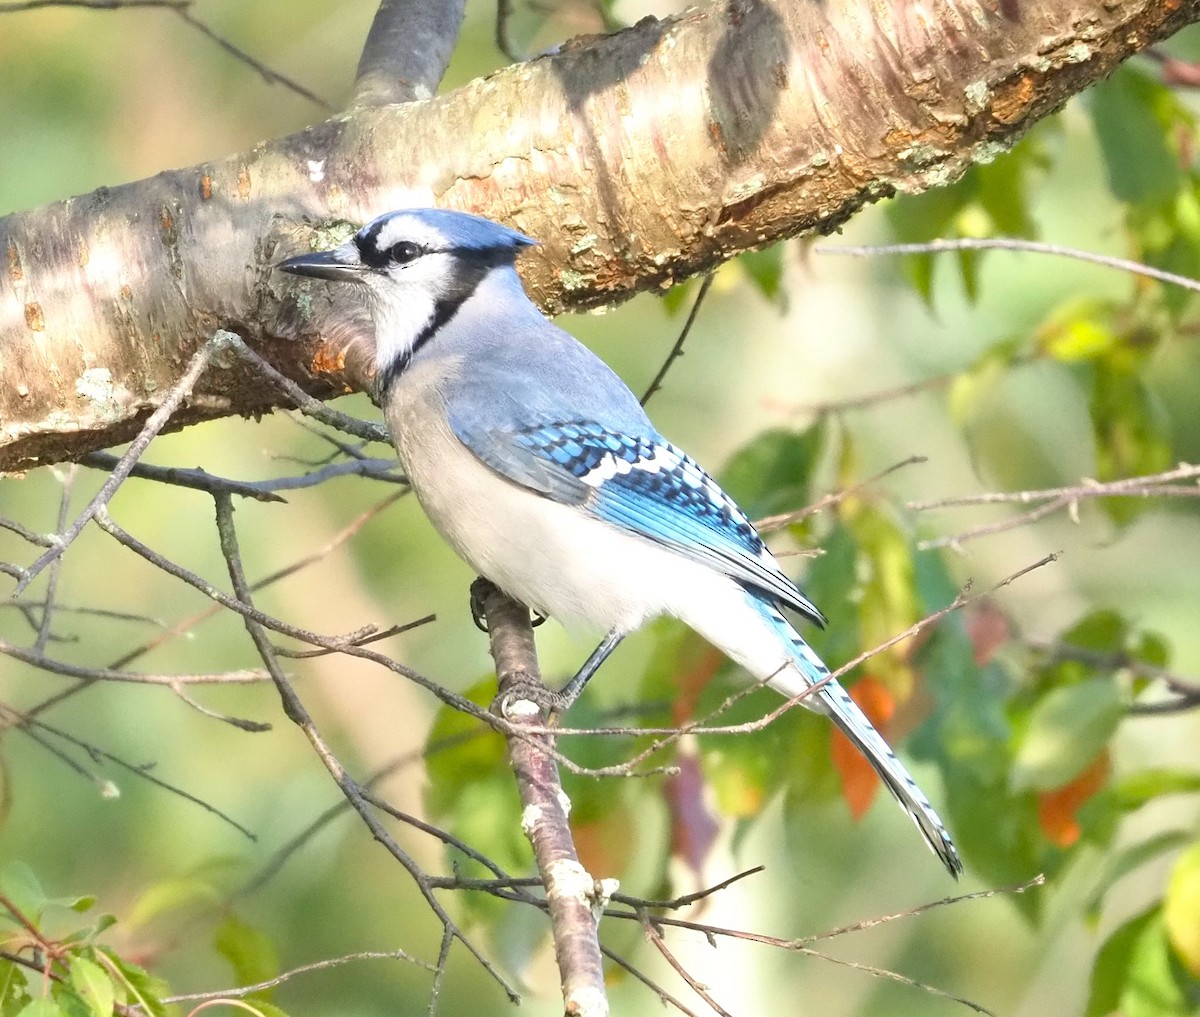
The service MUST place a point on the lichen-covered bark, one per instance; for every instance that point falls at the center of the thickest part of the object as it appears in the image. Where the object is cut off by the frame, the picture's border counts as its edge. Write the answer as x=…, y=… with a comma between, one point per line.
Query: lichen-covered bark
x=638, y=159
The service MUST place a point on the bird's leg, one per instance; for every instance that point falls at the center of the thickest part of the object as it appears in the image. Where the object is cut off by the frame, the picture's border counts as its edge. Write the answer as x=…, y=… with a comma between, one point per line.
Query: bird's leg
x=479, y=616
x=571, y=691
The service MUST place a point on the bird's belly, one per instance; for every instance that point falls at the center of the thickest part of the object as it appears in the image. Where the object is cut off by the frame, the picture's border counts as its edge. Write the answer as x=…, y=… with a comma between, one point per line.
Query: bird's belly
x=552, y=557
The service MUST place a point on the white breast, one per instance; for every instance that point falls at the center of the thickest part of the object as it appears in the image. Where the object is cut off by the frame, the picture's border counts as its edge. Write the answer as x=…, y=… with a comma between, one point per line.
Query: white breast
x=551, y=557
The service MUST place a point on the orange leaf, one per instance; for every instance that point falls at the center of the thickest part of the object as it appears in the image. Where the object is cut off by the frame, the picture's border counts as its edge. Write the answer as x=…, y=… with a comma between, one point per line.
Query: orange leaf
x=859, y=779
x=1057, y=809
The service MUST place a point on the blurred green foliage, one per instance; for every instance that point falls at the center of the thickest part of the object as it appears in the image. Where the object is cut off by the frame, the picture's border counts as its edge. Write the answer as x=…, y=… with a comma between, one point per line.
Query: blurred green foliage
x=1020, y=710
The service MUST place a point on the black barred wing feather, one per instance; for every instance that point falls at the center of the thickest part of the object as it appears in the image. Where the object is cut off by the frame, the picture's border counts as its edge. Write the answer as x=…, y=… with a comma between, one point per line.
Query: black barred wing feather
x=647, y=486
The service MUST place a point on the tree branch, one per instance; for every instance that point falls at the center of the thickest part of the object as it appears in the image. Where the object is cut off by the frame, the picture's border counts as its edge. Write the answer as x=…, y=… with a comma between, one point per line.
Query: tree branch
x=790, y=116
x=574, y=898
x=407, y=50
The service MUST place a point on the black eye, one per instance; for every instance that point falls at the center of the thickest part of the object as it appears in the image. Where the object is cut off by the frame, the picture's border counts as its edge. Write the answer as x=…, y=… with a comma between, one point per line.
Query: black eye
x=404, y=251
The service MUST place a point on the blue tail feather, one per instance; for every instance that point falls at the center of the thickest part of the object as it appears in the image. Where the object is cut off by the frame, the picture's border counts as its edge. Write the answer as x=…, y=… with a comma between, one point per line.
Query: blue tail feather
x=833, y=699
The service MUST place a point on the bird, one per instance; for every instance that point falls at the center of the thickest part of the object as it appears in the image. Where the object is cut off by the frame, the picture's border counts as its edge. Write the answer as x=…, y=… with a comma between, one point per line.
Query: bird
x=540, y=468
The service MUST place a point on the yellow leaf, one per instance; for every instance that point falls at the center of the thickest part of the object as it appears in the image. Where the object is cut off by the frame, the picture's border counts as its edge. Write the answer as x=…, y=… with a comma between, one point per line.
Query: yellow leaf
x=1181, y=909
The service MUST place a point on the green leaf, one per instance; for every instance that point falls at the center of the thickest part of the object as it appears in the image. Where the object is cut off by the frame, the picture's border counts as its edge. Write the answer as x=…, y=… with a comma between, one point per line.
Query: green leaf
x=460, y=749
x=94, y=986
x=1066, y=730
x=42, y=1008
x=249, y=951
x=138, y=986
x=1181, y=909
x=1110, y=971
x=1156, y=985
x=774, y=473
x=177, y=893
x=833, y=579
x=1131, y=858
x=676, y=297
x=1101, y=631
x=21, y=886
x=1135, y=790
x=1132, y=433
x=1133, y=114
x=765, y=269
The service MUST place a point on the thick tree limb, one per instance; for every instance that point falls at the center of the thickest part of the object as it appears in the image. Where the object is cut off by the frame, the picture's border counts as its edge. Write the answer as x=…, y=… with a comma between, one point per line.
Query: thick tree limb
x=407, y=50
x=638, y=159
x=572, y=896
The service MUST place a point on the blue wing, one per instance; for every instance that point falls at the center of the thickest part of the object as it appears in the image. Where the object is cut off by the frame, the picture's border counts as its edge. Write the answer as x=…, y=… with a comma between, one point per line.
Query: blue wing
x=644, y=485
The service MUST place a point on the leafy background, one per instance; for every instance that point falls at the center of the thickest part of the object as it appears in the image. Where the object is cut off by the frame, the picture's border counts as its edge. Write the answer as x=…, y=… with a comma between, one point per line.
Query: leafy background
x=1030, y=373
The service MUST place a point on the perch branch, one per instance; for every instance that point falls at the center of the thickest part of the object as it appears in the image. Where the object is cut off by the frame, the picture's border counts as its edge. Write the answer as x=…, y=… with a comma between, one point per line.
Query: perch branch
x=571, y=893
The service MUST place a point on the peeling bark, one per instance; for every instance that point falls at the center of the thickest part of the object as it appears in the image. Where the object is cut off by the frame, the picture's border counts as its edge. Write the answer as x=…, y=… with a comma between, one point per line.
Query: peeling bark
x=638, y=159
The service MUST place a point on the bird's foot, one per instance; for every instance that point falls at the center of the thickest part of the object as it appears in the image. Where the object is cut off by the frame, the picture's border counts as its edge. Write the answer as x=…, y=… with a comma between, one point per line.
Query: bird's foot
x=479, y=589
x=524, y=697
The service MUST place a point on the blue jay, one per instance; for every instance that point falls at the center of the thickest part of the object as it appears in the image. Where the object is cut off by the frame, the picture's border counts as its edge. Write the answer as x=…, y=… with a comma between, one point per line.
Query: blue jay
x=539, y=467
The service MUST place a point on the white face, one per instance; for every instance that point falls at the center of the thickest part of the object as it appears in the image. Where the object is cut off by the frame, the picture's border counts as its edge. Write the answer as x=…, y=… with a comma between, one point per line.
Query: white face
x=414, y=273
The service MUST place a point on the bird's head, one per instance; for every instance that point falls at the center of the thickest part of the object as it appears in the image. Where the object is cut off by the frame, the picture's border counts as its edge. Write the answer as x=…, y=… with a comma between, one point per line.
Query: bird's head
x=423, y=251
x=418, y=267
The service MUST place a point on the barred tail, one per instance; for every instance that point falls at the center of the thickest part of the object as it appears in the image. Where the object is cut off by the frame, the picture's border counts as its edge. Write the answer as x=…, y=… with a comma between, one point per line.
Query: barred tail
x=807, y=670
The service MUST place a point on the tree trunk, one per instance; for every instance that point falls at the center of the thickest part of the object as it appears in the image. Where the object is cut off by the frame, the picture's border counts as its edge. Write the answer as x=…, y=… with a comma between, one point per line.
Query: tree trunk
x=638, y=159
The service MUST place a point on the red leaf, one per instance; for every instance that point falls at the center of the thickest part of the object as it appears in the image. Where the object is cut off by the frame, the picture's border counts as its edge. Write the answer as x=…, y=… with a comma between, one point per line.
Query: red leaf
x=694, y=829
x=1057, y=809
x=988, y=629
x=859, y=779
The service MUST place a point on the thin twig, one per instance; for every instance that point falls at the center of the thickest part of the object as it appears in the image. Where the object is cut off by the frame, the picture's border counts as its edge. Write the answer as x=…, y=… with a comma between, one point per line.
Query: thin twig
x=1016, y=244
x=306, y=403
x=336, y=541
x=277, y=861
x=178, y=392
x=677, y=349
x=1169, y=483
x=664, y=997
x=22, y=723
x=199, y=480
x=106, y=674
x=303, y=969
x=268, y=75
x=778, y=522
x=656, y=939
x=295, y=710
x=64, y=506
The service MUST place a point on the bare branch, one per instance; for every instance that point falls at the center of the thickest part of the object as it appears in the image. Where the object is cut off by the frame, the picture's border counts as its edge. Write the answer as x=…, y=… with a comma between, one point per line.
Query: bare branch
x=27, y=725
x=64, y=506
x=1181, y=482
x=336, y=541
x=571, y=893
x=13, y=6
x=1187, y=690
x=306, y=403
x=761, y=150
x=1016, y=244
x=407, y=50
x=303, y=969
x=200, y=360
x=268, y=75
x=677, y=349
x=777, y=522
x=298, y=714
x=107, y=674
x=694, y=984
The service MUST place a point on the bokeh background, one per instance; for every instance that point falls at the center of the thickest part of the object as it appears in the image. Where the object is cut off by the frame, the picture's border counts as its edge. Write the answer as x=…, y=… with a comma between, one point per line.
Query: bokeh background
x=99, y=98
